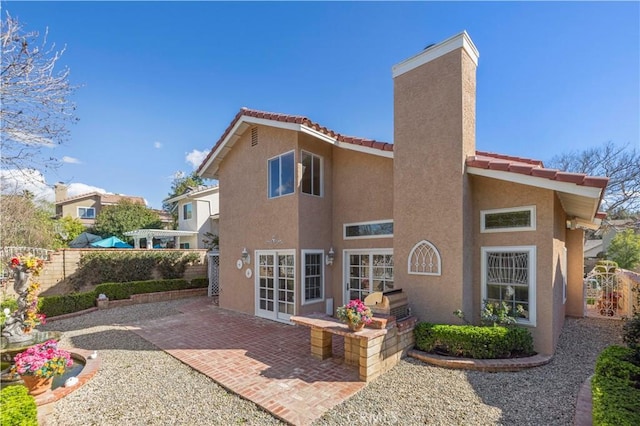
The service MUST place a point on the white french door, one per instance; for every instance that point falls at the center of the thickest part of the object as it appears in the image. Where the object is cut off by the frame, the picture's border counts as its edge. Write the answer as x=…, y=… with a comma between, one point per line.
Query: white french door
x=367, y=271
x=275, y=284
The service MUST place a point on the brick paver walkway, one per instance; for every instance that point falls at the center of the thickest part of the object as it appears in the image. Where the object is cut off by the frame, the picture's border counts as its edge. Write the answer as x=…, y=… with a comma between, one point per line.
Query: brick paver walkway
x=264, y=361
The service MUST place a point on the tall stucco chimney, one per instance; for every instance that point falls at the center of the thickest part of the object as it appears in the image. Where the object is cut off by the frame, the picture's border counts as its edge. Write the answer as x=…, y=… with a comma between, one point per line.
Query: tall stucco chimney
x=434, y=132
x=60, y=190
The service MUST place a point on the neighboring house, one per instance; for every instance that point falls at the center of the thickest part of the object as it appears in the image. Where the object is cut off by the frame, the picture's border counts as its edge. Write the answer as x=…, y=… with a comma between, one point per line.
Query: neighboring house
x=197, y=212
x=607, y=232
x=86, y=207
x=310, y=218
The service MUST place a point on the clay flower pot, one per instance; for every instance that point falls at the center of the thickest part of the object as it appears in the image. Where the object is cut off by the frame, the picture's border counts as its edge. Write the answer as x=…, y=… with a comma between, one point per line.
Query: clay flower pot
x=37, y=385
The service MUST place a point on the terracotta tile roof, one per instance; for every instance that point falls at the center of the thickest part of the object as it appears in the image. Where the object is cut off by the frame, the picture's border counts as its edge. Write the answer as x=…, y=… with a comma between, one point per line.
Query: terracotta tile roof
x=528, y=166
x=482, y=159
x=104, y=198
x=297, y=119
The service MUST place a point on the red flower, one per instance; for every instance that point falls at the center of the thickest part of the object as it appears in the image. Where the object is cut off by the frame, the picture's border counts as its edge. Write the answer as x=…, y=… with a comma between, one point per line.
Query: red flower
x=15, y=261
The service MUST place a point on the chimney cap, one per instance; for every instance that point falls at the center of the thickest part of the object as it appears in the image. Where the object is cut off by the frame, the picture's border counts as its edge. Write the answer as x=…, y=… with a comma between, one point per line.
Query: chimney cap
x=431, y=52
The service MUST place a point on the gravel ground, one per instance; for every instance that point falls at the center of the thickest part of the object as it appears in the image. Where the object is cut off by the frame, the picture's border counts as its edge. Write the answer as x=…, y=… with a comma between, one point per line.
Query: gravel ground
x=140, y=385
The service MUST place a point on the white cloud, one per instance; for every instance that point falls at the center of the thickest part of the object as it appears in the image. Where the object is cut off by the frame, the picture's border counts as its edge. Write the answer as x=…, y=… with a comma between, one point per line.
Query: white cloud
x=157, y=145
x=70, y=160
x=196, y=157
x=15, y=181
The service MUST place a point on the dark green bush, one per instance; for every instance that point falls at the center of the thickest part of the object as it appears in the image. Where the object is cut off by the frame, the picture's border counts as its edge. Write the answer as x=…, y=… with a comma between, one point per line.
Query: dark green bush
x=616, y=388
x=17, y=407
x=100, y=267
x=53, y=306
x=200, y=282
x=631, y=335
x=119, y=291
x=472, y=341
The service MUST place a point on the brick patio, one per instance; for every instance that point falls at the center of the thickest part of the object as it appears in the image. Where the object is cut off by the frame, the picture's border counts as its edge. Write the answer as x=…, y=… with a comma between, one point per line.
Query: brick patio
x=263, y=361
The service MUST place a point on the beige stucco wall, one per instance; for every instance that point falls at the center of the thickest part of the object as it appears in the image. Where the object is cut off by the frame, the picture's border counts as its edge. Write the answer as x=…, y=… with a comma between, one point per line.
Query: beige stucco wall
x=434, y=122
x=71, y=208
x=363, y=192
x=575, y=266
x=495, y=194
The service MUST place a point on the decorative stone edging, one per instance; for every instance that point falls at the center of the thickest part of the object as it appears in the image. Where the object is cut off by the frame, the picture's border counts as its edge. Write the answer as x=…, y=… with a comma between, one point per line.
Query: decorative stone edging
x=490, y=365
x=89, y=370
x=135, y=299
x=584, y=405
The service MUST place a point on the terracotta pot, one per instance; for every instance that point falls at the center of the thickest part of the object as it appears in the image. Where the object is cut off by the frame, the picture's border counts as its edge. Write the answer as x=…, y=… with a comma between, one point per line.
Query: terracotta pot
x=37, y=385
x=355, y=326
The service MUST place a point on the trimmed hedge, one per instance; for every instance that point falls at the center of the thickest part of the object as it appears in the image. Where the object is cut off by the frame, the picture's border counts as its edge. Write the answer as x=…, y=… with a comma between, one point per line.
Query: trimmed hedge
x=101, y=267
x=53, y=306
x=616, y=388
x=476, y=342
x=17, y=407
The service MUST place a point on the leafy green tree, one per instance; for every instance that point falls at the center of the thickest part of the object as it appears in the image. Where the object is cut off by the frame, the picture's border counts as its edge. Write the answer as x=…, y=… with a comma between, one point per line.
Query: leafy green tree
x=181, y=183
x=123, y=217
x=625, y=249
x=25, y=222
x=68, y=228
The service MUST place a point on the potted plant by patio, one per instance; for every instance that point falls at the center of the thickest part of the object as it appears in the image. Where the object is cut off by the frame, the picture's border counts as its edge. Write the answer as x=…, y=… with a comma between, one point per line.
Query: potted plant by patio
x=356, y=314
x=39, y=364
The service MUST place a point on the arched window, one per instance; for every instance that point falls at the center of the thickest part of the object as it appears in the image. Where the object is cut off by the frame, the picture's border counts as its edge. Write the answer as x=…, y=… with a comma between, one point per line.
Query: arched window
x=424, y=259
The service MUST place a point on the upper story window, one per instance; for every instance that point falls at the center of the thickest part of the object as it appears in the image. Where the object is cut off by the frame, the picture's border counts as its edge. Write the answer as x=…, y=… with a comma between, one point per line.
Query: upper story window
x=311, y=174
x=187, y=211
x=377, y=229
x=86, y=212
x=281, y=175
x=508, y=220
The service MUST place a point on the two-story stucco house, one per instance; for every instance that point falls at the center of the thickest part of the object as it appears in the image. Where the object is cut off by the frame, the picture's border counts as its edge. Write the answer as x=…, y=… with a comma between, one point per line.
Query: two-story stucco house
x=86, y=207
x=310, y=218
x=197, y=213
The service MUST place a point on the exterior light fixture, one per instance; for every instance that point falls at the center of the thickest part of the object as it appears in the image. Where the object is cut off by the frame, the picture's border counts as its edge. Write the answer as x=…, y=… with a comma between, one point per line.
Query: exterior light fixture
x=330, y=256
x=246, y=258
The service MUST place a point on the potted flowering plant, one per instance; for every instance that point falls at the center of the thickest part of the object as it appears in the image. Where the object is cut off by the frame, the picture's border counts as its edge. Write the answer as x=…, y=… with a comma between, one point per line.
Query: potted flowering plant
x=356, y=314
x=39, y=364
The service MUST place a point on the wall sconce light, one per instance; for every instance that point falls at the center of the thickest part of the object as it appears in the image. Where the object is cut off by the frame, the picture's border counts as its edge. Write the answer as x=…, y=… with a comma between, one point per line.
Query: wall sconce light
x=330, y=256
x=246, y=258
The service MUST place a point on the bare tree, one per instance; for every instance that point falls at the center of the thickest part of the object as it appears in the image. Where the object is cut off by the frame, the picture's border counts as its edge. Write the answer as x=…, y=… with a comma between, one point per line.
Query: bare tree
x=621, y=164
x=34, y=99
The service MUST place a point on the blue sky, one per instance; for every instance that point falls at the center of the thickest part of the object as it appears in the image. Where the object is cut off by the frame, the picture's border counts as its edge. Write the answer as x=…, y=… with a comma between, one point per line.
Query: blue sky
x=160, y=81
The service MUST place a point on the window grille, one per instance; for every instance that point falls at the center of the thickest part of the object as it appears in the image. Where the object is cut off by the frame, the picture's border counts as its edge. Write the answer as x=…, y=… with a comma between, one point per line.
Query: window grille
x=424, y=259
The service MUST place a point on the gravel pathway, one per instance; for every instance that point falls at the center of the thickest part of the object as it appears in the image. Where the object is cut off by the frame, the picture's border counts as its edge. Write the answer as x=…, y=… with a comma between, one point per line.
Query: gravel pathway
x=138, y=384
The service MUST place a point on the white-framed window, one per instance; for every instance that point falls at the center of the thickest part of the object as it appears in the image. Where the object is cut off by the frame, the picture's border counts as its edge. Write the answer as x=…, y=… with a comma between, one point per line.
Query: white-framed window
x=509, y=275
x=312, y=276
x=184, y=245
x=366, y=271
x=86, y=212
x=311, y=174
x=375, y=229
x=508, y=220
x=187, y=211
x=281, y=175
x=424, y=259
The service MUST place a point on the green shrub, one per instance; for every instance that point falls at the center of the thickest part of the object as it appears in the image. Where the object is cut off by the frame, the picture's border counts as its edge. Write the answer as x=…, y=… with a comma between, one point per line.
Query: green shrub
x=202, y=282
x=101, y=267
x=17, y=407
x=616, y=388
x=53, y=306
x=119, y=291
x=472, y=341
x=631, y=335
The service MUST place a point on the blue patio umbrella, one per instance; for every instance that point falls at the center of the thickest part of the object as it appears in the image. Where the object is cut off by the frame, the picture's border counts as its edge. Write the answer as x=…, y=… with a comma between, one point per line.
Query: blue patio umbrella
x=111, y=242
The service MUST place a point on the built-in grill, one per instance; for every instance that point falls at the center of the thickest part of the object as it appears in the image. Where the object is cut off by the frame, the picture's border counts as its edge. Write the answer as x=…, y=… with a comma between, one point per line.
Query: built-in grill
x=394, y=302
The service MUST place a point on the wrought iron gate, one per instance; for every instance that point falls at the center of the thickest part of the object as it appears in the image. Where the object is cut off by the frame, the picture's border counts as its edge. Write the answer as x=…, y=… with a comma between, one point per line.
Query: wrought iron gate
x=214, y=273
x=606, y=294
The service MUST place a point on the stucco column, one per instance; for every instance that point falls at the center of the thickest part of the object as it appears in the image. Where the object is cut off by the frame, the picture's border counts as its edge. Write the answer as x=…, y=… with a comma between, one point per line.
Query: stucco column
x=575, y=272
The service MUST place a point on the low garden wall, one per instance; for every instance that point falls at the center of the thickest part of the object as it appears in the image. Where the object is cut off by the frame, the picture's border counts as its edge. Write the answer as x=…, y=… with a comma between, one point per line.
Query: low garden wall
x=63, y=264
